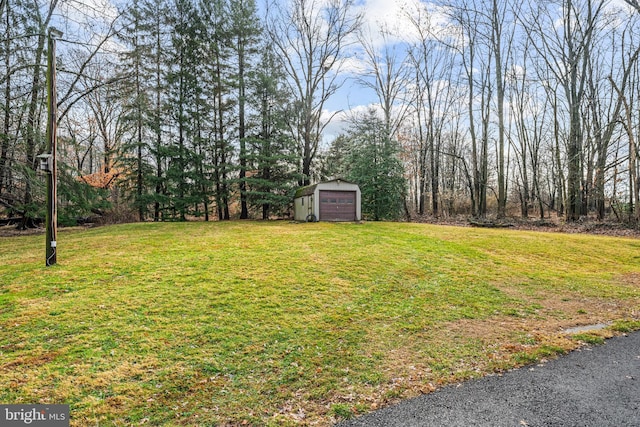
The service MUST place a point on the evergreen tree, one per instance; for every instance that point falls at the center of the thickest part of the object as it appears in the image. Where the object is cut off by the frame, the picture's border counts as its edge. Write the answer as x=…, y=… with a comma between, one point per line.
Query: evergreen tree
x=334, y=160
x=142, y=88
x=199, y=111
x=374, y=165
x=77, y=199
x=134, y=102
x=182, y=81
x=217, y=54
x=245, y=32
x=272, y=150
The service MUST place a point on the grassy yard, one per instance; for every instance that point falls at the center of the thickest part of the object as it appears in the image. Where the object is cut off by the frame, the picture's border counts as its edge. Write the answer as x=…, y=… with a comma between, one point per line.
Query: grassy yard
x=273, y=323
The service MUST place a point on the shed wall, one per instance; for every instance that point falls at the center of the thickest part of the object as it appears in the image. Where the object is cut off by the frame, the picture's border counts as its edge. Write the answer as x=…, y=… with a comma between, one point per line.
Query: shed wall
x=310, y=204
x=303, y=206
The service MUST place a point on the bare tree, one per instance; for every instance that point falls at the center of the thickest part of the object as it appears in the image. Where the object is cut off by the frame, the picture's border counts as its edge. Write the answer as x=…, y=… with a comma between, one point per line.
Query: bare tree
x=477, y=68
x=634, y=152
x=78, y=141
x=105, y=110
x=311, y=37
x=628, y=125
x=565, y=50
x=615, y=64
x=528, y=121
x=433, y=64
x=501, y=44
x=24, y=85
x=387, y=74
x=5, y=142
x=634, y=3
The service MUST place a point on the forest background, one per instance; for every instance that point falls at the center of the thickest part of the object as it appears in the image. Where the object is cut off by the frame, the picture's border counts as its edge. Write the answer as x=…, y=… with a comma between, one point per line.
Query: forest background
x=183, y=109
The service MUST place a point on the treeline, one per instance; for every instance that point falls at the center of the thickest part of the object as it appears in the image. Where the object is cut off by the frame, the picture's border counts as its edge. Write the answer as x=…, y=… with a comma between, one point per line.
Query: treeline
x=174, y=109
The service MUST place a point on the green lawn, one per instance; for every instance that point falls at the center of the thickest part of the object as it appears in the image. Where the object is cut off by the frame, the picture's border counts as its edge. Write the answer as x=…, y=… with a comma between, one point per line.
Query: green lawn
x=274, y=323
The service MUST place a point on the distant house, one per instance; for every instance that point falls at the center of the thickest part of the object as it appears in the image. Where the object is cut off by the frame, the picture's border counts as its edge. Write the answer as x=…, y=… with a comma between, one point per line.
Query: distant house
x=336, y=200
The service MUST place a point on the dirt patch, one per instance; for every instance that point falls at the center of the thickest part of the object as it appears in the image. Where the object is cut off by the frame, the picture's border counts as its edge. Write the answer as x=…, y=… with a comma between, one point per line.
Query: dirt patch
x=631, y=279
x=500, y=342
x=12, y=231
x=30, y=361
x=553, y=225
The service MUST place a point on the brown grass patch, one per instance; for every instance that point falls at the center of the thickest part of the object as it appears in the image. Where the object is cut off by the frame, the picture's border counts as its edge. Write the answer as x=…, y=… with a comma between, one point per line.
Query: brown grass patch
x=38, y=360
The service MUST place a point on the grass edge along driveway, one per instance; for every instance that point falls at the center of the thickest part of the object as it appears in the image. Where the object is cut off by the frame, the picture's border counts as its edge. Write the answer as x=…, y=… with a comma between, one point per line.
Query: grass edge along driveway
x=276, y=323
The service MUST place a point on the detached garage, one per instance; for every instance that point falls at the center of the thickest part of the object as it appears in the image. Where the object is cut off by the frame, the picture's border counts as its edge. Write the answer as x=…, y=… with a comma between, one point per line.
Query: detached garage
x=336, y=200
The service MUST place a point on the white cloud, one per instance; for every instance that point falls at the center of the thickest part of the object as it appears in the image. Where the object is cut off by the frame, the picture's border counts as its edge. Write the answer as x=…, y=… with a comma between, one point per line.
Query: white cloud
x=88, y=12
x=394, y=21
x=343, y=119
x=618, y=4
x=387, y=21
x=353, y=65
x=619, y=14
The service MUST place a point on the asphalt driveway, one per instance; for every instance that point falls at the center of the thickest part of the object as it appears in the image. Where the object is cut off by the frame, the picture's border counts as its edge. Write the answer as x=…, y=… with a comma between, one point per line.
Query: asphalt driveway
x=592, y=387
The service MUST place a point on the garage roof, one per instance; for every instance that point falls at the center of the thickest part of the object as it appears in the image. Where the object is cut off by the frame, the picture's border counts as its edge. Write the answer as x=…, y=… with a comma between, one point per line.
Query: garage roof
x=309, y=189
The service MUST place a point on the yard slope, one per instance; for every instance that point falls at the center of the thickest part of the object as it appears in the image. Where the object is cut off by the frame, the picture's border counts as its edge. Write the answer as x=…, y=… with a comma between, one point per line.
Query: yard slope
x=276, y=323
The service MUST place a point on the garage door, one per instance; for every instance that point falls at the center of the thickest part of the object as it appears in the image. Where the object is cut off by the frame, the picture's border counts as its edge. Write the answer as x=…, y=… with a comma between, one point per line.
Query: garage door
x=337, y=206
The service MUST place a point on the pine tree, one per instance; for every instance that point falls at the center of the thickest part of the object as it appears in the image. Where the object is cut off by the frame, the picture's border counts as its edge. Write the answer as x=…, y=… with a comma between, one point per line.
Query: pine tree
x=181, y=82
x=217, y=54
x=143, y=84
x=334, y=159
x=373, y=164
x=245, y=32
x=272, y=150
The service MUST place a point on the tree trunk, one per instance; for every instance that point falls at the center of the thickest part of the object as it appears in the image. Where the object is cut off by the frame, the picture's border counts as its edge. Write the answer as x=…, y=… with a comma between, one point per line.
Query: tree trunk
x=559, y=175
x=158, y=120
x=4, y=138
x=244, y=211
x=497, y=48
x=139, y=173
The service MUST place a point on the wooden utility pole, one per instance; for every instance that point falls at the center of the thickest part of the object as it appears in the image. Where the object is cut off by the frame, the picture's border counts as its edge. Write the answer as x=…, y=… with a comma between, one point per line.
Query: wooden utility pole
x=52, y=143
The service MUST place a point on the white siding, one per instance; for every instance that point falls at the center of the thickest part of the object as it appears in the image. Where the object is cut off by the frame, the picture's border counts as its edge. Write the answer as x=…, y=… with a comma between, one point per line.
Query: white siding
x=305, y=205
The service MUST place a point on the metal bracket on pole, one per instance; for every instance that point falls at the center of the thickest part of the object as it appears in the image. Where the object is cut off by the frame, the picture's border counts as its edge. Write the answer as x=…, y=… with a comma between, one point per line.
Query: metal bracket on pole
x=46, y=162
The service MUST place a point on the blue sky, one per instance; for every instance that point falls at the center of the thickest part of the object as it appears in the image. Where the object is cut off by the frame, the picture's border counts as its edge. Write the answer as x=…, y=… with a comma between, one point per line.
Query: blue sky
x=378, y=14
x=391, y=16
